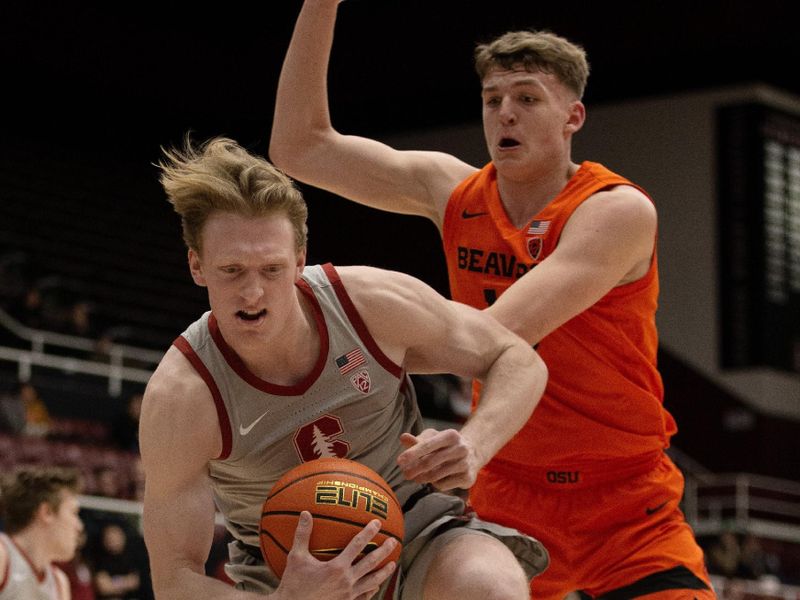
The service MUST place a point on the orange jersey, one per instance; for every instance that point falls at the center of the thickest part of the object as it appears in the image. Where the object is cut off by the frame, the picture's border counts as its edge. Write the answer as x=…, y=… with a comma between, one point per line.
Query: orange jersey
x=604, y=397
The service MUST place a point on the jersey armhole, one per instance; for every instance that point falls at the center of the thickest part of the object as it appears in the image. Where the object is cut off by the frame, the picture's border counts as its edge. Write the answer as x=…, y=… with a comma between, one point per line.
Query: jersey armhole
x=182, y=344
x=7, y=570
x=358, y=322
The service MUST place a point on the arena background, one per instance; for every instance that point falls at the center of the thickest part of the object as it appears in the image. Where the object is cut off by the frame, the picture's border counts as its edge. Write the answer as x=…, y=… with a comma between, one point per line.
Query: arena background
x=90, y=94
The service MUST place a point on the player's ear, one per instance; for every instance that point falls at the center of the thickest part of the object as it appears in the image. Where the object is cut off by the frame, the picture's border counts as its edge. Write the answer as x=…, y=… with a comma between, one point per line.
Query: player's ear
x=196, y=268
x=300, y=263
x=45, y=512
x=576, y=115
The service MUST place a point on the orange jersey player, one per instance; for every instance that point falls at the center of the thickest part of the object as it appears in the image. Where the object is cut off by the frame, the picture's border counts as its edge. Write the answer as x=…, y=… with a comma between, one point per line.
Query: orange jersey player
x=562, y=253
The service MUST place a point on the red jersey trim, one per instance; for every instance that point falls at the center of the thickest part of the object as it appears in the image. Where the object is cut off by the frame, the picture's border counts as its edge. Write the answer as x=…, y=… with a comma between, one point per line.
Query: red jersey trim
x=358, y=323
x=242, y=371
x=4, y=579
x=40, y=575
x=182, y=344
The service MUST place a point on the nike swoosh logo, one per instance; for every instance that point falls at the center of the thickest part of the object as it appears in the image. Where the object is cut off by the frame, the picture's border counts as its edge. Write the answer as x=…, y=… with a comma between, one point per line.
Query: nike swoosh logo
x=469, y=215
x=245, y=430
x=650, y=511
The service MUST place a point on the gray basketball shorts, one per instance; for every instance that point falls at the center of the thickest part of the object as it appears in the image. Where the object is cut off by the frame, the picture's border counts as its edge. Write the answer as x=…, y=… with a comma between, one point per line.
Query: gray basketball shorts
x=432, y=522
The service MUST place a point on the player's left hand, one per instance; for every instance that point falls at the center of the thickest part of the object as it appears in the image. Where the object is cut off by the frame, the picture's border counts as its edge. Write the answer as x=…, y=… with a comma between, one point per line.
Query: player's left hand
x=445, y=459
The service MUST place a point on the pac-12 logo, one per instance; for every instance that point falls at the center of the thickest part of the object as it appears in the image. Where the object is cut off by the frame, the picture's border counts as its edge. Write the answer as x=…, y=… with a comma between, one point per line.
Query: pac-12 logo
x=320, y=438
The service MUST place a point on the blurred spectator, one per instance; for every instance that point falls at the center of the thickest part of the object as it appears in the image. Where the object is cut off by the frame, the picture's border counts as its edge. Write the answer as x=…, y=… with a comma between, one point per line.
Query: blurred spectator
x=107, y=482
x=28, y=308
x=125, y=430
x=39, y=509
x=37, y=417
x=116, y=573
x=12, y=412
x=724, y=555
x=79, y=321
x=15, y=275
x=754, y=562
x=23, y=411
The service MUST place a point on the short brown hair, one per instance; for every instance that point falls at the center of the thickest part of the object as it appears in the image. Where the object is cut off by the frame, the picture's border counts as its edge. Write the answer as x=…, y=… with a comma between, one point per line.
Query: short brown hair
x=24, y=491
x=222, y=176
x=536, y=51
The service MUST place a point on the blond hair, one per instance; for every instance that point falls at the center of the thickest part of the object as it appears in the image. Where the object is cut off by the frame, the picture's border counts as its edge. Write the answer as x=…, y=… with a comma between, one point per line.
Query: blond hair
x=536, y=51
x=221, y=176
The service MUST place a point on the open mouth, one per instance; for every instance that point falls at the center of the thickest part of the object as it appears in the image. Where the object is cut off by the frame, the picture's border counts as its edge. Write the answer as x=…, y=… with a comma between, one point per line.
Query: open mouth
x=248, y=316
x=508, y=142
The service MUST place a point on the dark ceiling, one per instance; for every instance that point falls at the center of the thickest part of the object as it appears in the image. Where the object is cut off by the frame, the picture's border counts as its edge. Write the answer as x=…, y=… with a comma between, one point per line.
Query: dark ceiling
x=137, y=75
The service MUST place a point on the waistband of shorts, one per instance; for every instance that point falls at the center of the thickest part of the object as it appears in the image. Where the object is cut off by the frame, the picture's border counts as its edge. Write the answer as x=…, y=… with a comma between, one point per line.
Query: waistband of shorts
x=578, y=475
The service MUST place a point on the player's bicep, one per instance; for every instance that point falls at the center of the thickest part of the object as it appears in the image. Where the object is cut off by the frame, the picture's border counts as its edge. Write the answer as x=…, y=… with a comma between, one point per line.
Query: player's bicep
x=375, y=174
x=600, y=248
x=449, y=337
x=179, y=433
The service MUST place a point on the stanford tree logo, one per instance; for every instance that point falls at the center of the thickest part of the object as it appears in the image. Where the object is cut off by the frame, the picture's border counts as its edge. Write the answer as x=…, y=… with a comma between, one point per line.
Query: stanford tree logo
x=320, y=439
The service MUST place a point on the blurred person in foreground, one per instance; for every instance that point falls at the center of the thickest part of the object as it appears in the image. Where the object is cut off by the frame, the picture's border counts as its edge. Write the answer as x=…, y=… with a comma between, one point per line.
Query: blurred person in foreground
x=39, y=507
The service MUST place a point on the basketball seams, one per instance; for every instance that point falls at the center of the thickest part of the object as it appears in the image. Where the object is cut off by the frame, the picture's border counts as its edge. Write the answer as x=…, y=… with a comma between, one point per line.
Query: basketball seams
x=389, y=492
x=274, y=541
x=314, y=487
x=296, y=513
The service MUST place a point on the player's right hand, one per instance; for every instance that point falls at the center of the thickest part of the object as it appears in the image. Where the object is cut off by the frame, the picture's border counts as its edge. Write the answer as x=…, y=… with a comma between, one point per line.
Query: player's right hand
x=341, y=578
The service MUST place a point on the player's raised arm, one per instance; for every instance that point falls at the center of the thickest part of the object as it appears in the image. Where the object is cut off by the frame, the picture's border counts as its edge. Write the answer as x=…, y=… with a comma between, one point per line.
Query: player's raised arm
x=305, y=145
x=417, y=327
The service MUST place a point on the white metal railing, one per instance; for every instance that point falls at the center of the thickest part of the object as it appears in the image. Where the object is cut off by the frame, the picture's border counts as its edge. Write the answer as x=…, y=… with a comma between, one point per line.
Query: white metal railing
x=114, y=370
x=764, y=506
x=131, y=508
x=766, y=588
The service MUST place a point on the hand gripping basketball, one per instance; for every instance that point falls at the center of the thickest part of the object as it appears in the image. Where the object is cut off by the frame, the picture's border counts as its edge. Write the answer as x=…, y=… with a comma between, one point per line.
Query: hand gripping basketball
x=343, y=497
x=345, y=577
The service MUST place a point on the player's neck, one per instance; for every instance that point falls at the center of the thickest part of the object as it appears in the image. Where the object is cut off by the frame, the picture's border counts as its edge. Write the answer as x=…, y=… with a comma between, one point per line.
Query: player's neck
x=291, y=353
x=33, y=546
x=524, y=198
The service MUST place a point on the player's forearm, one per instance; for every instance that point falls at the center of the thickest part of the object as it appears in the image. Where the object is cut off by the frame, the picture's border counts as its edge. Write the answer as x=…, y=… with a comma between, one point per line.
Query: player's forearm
x=301, y=106
x=509, y=395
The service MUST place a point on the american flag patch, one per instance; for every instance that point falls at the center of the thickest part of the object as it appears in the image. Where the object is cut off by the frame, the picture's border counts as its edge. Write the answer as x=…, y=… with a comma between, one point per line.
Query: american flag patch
x=538, y=227
x=351, y=360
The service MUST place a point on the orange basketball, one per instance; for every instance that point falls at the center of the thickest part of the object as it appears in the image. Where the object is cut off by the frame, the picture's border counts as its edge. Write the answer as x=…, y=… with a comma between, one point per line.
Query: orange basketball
x=342, y=495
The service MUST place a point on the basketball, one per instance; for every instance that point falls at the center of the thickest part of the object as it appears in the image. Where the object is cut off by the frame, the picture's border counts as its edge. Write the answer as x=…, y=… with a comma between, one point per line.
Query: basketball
x=342, y=496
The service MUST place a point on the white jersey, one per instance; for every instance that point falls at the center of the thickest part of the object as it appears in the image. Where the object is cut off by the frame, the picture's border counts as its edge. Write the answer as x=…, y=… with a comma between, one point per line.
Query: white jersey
x=22, y=581
x=354, y=404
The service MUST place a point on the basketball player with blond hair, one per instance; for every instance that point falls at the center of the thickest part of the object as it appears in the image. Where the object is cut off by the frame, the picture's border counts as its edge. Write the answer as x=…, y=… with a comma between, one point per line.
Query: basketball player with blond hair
x=39, y=509
x=562, y=253
x=294, y=362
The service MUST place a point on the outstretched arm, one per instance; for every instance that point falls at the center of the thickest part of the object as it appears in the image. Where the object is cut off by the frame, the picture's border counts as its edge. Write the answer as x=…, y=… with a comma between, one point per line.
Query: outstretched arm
x=306, y=146
x=417, y=327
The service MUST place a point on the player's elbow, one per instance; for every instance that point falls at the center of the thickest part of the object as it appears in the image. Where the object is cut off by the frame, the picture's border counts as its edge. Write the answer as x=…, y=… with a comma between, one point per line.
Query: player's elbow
x=294, y=151
x=540, y=374
x=284, y=156
x=531, y=373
